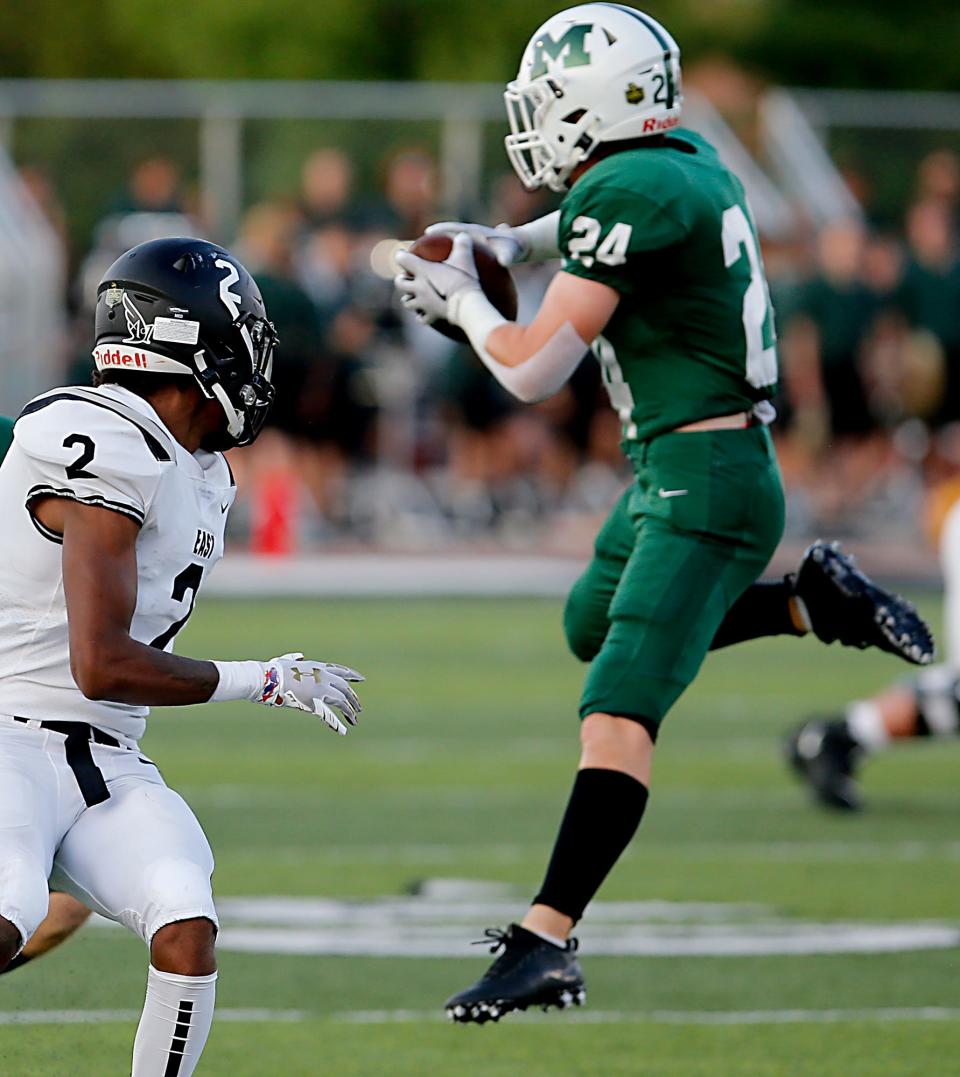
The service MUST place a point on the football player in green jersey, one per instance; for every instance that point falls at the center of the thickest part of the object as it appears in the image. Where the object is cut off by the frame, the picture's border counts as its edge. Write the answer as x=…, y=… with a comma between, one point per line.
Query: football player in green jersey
x=662, y=273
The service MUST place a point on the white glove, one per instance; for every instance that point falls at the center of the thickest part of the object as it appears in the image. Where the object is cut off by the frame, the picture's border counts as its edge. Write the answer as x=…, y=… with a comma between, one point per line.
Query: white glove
x=314, y=687
x=536, y=241
x=508, y=245
x=433, y=290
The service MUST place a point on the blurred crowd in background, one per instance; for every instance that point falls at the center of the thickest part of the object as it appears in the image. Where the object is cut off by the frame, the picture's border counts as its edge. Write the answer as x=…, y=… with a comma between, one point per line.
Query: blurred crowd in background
x=383, y=431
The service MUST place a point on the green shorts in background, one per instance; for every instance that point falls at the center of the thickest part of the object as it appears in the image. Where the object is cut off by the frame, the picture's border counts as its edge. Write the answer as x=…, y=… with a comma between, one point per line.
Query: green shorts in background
x=696, y=528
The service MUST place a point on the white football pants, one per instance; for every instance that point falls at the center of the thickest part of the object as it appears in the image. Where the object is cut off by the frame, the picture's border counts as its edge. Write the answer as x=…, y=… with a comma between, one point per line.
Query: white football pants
x=139, y=857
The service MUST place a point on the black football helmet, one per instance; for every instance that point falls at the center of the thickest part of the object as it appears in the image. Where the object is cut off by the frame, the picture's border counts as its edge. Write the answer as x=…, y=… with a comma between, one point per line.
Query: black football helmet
x=186, y=306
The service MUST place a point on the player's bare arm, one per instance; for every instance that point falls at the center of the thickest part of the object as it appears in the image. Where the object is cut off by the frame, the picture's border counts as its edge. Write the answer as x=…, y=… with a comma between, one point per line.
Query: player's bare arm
x=585, y=305
x=106, y=662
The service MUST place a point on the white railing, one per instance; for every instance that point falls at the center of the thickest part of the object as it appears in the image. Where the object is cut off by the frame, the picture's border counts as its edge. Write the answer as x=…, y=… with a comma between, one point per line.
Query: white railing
x=794, y=174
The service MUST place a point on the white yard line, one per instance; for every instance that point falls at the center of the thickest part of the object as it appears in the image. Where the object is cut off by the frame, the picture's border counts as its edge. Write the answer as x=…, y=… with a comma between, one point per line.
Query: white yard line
x=586, y=1017
x=676, y=1017
x=442, y=919
x=744, y=940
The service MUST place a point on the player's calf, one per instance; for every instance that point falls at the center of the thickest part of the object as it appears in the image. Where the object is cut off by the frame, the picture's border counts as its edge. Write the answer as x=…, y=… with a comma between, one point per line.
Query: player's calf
x=181, y=993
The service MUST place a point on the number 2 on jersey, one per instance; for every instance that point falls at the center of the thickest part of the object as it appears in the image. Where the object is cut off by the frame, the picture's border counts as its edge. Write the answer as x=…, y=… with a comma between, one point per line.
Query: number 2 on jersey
x=78, y=469
x=188, y=580
x=738, y=237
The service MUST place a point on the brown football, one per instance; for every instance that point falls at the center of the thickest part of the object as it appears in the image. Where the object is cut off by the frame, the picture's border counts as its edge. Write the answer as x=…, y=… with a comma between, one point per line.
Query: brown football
x=495, y=279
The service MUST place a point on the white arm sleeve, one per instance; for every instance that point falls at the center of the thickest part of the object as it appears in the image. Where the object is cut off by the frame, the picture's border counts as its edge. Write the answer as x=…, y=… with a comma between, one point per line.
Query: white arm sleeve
x=239, y=680
x=540, y=238
x=536, y=378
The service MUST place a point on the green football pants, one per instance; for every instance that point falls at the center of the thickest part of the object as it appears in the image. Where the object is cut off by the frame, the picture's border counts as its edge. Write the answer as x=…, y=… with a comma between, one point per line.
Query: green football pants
x=696, y=528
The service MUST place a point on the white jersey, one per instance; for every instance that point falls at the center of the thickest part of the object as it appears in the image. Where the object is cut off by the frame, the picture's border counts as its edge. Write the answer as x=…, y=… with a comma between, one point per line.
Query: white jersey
x=106, y=447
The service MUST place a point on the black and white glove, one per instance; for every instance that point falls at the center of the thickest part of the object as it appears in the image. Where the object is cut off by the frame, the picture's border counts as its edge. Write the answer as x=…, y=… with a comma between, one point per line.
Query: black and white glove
x=315, y=687
x=432, y=290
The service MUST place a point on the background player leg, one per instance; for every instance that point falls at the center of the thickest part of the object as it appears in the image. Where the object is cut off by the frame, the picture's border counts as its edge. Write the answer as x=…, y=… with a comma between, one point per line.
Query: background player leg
x=64, y=916
x=157, y=883
x=827, y=752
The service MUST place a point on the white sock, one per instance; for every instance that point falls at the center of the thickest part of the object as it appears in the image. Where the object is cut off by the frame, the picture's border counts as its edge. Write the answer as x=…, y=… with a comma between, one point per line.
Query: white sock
x=865, y=723
x=554, y=940
x=175, y=1023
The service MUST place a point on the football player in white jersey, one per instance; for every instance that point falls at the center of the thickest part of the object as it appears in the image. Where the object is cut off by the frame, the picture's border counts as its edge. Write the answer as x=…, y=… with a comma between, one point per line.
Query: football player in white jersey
x=115, y=501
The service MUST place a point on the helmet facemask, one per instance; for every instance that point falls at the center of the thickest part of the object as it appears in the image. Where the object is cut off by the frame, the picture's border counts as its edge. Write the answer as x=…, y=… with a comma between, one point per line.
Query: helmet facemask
x=538, y=158
x=245, y=401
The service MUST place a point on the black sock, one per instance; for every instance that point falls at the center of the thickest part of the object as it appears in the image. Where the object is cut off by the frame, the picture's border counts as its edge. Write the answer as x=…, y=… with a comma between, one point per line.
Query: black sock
x=603, y=813
x=762, y=610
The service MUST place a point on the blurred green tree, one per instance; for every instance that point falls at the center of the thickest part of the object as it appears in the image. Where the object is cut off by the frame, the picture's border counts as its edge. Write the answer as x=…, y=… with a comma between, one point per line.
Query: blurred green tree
x=870, y=43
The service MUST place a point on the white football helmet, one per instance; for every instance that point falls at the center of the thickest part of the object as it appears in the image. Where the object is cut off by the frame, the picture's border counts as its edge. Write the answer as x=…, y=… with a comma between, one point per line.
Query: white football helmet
x=593, y=73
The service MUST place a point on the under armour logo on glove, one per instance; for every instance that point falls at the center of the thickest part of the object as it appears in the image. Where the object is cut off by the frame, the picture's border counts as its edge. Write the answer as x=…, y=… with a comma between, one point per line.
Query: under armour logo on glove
x=298, y=674
x=319, y=688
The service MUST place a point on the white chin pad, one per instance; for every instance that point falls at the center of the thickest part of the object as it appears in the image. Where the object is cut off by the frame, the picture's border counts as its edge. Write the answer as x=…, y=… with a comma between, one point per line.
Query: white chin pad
x=235, y=421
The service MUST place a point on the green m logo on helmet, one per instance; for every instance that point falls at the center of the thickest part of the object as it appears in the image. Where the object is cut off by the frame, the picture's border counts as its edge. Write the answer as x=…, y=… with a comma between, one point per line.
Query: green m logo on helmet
x=569, y=51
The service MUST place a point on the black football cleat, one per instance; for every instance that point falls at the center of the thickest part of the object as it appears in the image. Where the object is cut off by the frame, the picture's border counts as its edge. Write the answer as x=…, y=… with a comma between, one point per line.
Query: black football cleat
x=825, y=756
x=529, y=972
x=846, y=605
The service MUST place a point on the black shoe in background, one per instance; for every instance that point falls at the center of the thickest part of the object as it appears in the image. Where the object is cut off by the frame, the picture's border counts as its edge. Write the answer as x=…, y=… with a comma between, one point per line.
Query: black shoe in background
x=825, y=756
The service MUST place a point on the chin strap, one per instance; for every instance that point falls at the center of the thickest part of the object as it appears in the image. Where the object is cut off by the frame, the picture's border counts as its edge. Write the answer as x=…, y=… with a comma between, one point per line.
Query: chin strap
x=215, y=391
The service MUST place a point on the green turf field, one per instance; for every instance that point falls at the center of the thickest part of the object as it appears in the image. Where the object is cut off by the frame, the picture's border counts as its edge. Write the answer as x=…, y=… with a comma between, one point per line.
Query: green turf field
x=459, y=770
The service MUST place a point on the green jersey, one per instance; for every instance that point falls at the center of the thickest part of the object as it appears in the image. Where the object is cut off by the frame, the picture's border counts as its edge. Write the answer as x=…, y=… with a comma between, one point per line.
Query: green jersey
x=6, y=435
x=693, y=337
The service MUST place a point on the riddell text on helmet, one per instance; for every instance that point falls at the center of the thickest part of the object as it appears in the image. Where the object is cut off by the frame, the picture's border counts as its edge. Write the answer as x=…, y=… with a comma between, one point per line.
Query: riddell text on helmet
x=121, y=357
x=651, y=125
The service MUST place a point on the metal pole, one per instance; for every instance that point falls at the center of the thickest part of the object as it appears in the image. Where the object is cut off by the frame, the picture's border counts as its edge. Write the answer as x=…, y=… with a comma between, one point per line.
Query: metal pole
x=461, y=162
x=221, y=173
x=6, y=132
